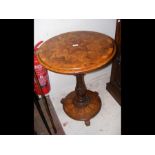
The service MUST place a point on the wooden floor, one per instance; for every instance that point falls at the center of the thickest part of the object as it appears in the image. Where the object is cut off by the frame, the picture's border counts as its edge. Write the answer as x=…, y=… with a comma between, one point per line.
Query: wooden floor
x=39, y=126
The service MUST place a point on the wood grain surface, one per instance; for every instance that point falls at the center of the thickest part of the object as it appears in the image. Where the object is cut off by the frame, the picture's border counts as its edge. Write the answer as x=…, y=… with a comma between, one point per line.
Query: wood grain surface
x=76, y=52
x=85, y=112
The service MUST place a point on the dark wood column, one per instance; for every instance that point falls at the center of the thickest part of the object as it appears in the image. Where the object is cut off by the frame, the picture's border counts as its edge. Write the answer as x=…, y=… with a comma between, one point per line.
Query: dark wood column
x=81, y=91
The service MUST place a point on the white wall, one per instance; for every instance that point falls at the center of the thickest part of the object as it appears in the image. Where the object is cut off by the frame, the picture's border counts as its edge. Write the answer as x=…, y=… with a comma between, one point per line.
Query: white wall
x=45, y=29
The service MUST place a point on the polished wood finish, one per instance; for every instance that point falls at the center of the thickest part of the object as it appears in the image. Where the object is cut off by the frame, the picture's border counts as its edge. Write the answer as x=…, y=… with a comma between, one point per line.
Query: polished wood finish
x=114, y=86
x=81, y=91
x=77, y=53
x=81, y=104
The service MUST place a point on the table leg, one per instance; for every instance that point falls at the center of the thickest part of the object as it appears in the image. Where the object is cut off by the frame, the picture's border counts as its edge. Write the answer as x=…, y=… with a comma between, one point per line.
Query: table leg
x=81, y=104
x=87, y=123
x=81, y=91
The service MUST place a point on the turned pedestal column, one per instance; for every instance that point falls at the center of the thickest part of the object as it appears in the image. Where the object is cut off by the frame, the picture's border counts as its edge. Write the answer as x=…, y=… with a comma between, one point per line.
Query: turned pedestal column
x=81, y=104
x=77, y=53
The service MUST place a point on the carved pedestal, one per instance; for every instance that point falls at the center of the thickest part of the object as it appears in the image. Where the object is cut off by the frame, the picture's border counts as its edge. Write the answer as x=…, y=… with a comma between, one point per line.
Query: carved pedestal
x=81, y=104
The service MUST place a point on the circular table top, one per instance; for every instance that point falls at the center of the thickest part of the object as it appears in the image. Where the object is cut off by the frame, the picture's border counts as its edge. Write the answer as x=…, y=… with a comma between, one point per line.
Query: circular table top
x=76, y=52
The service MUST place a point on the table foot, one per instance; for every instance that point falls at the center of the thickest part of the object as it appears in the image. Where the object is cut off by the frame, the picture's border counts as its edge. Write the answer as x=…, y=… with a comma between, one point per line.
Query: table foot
x=87, y=123
x=83, y=112
x=62, y=100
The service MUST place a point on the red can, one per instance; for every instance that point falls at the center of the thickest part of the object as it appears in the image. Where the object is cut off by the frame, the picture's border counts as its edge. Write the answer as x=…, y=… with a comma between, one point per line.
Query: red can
x=42, y=75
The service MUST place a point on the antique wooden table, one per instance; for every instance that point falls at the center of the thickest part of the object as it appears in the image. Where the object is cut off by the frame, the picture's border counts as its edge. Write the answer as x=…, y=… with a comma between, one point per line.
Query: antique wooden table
x=77, y=53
